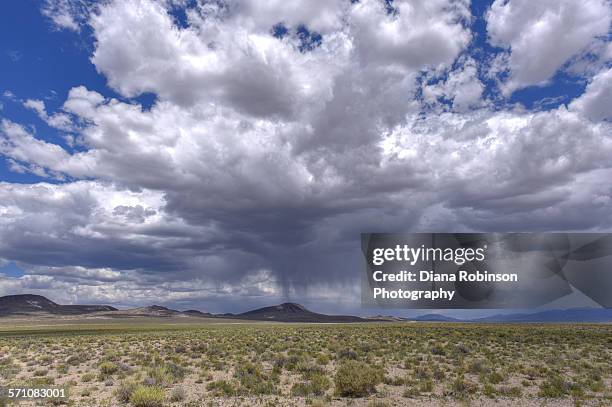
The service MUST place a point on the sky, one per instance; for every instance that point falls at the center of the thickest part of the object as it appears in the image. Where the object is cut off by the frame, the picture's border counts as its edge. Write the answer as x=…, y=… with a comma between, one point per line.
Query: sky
x=227, y=154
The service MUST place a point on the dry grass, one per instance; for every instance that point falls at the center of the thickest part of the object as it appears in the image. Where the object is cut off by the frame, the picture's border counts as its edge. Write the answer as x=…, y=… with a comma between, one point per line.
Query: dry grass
x=287, y=364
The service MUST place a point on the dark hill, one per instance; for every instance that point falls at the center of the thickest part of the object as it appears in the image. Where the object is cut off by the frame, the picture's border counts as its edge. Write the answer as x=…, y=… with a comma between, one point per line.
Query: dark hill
x=30, y=303
x=196, y=313
x=291, y=312
x=150, y=311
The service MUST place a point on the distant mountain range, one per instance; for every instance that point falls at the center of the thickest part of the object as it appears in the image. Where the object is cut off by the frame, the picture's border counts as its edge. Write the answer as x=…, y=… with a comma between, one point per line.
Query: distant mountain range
x=586, y=315
x=33, y=305
x=291, y=312
x=29, y=303
x=557, y=315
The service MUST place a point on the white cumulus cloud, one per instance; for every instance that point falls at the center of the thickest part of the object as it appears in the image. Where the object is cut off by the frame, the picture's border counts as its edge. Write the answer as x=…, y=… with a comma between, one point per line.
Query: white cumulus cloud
x=263, y=157
x=541, y=36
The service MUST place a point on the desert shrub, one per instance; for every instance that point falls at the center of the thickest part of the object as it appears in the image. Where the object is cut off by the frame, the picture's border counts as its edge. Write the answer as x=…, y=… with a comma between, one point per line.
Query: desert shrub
x=438, y=373
x=73, y=360
x=292, y=362
x=357, y=379
x=39, y=381
x=178, y=394
x=394, y=381
x=554, y=387
x=280, y=361
x=317, y=385
x=462, y=349
x=124, y=367
x=309, y=370
x=347, y=354
x=426, y=386
x=8, y=370
x=125, y=390
x=253, y=379
x=488, y=390
x=596, y=386
x=322, y=359
x=46, y=360
x=478, y=366
x=62, y=369
x=175, y=371
x=557, y=387
x=111, y=355
x=495, y=377
x=87, y=377
x=438, y=350
x=147, y=396
x=411, y=391
x=158, y=377
x=461, y=388
x=40, y=372
x=422, y=373
x=108, y=368
x=222, y=388
x=510, y=391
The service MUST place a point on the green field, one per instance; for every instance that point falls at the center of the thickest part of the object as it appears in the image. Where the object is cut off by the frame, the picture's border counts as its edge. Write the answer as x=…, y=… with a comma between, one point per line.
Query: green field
x=147, y=363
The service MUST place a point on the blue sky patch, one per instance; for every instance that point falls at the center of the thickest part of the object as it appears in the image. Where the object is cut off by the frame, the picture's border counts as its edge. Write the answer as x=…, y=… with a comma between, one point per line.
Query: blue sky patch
x=12, y=270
